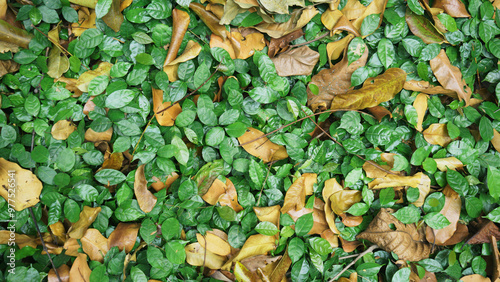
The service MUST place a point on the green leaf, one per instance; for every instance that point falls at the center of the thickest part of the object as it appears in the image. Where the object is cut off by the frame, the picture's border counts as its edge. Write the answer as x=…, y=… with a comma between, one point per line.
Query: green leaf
x=183, y=154
x=370, y=24
x=175, y=252
x=109, y=177
x=436, y=220
x=407, y=215
x=120, y=98
x=304, y=224
x=368, y=269
x=385, y=52
x=457, y=182
x=415, y=6
x=102, y=8
x=493, y=182
x=296, y=249
x=320, y=245
x=267, y=228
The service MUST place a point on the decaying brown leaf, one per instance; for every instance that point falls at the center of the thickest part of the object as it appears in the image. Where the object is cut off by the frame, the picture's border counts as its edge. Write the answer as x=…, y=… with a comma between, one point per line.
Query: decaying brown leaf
x=92, y=136
x=319, y=219
x=419, y=180
x=420, y=104
x=437, y=134
x=210, y=20
x=124, y=236
x=144, y=197
x=485, y=229
x=449, y=163
x=190, y=52
x=278, y=273
x=451, y=210
x=295, y=197
x=450, y=76
x=94, y=244
x=87, y=217
x=281, y=44
x=335, y=49
x=80, y=270
x=159, y=184
x=255, y=245
x=298, y=61
x=114, y=17
x=406, y=240
x=180, y=21
x=379, y=112
x=454, y=8
x=349, y=246
x=223, y=193
x=375, y=90
x=333, y=82
x=165, y=118
x=256, y=144
x=214, y=243
x=299, y=18
x=62, y=129
x=332, y=238
x=27, y=187
x=427, y=88
x=331, y=186
x=196, y=255
x=8, y=66
x=83, y=81
x=496, y=258
x=63, y=272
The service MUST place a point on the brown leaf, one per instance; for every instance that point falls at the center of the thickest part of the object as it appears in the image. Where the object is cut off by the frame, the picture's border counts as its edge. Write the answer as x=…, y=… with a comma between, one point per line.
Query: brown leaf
x=14, y=35
x=319, y=218
x=83, y=81
x=87, y=217
x=159, y=185
x=86, y=20
x=427, y=88
x=210, y=20
x=180, y=21
x=62, y=129
x=95, y=245
x=8, y=66
x=351, y=220
x=450, y=76
x=190, y=52
x=22, y=240
x=58, y=62
x=165, y=118
x=92, y=136
x=3, y=9
x=460, y=235
x=454, y=8
x=342, y=200
x=475, y=278
x=353, y=9
x=330, y=18
x=332, y=238
x=281, y=269
x=333, y=82
x=379, y=112
x=256, y=144
x=448, y=163
x=419, y=180
x=59, y=232
x=71, y=85
x=375, y=90
x=259, y=261
x=80, y=270
x=217, y=41
x=295, y=198
x=437, y=134
x=406, y=240
x=349, y=246
x=124, y=236
x=196, y=255
x=344, y=24
x=420, y=104
x=245, y=46
x=144, y=197
x=71, y=246
x=331, y=186
x=335, y=49
x=298, y=61
x=485, y=229
x=423, y=28
x=271, y=214
x=496, y=140
x=114, y=161
x=299, y=18
x=277, y=45
x=114, y=17
x=451, y=210
x=25, y=189
x=63, y=272
x=496, y=258
x=217, y=10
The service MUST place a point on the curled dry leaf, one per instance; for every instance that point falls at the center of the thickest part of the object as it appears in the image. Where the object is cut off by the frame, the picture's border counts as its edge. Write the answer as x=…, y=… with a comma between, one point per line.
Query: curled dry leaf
x=379, y=112
x=437, y=134
x=295, y=197
x=271, y=214
x=62, y=129
x=159, y=184
x=124, y=236
x=217, y=10
x=86, y=20
x=375, y=90
x=496, y=258
x=405, y=240
x=8, y=66
x=87, y=217
x=27, y=187
x=423, y=28
x=80, y=270
x=144, y=197
x=180, y=21
x=319, y=219
x=196, y=255
x=83, y=81
x=114, y=17
x=450, y=76
x=63, y=272
x=92, y=136
x=190, y=52
x=330, y=18
x=333, y=82
x=255, y=245
x=342, y=200
x=335, y=49
x=344, y=24
x=351, y=220
x=485, y=229
x=299, y=18
x=427, y=88
x=449, y=163
x=277, y=45
x=451, y=210
x=210, y=20
x=331, y=186
x=58, y=231
x=229, y=197
x=94, y=244
x=165, y=118
x=278, y=273
x=419, y=180
x=375, y=7
x=258, y=145
x=454, y=8
x=214, y=243
x=298, y=61
x=349, y=246
x=420, y=104
x=13, y=36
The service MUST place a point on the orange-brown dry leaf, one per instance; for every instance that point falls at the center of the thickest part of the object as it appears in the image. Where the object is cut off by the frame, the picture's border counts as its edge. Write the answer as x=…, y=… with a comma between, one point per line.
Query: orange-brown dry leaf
x=230, y=197
x=216, y=9
x=8, y=66
x=437, y=134
x=3, y=9
x=214, y=243
x=190, y=52
x=62, y=129
x=349, y=246
x=217, y=41
x=375, y=90
x=454, y=8
x=87, y=217
x=379, y=112
x=63, y=272
x=419, y=180
x=319, y=218
x=295, y=198
x=26, y=190
x=71, y=85
x=475, y=278
x=332, y=238
x=195, y=256
x=271, y=214
x=114, y=161
x=449, y=163
x=333, y=82
x=180, y=21
x=144, y=197
x=159, y=185
x=330, y=18
x=299, y=18
x=245, y=46
x=451, y=210
x=420, y=104
x=450, y=76
x=427, y=88
x=94, y=244
x=80, y=270
x=335, y=49
x=496, y=258
x=277, y=45
x=124, y=236
x=331, y=186
x=375, y=172
x=344, y=24
x=375, y=7
x=83, y=81
x=460, y=235
x=256, y=144
x=71, y=246
x=214, y=192
x=405, y=240
x=351, y=220
x=210, y=20
x=255, y=245
x=165, y=118
x=92, y=136
x=496, y=140
x=485, y=229
x=86, y=20
x=297, y=61
x=22, y=240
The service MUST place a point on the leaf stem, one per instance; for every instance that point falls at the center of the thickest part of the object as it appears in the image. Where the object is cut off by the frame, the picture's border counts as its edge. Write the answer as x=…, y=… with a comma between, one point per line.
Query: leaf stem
x=369, y=250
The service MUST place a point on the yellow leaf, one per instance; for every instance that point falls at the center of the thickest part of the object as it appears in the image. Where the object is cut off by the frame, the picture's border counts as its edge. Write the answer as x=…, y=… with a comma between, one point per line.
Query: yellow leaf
x=319, y=218
x=335, y=49
x=448, y=163
x=496, y=140
x=342, y=200
x=196, y=255
x=375, y=7
x=92, y=136
x=420, y=104
x=58, y=63
x=244, y=47
x=214, y=243
x=190, y=52
x=85, y=3
x=295, y=197
x=330, y=18
x=437, y=134
x=84, y=80
x=255, y=245
x=419, y=180
x=86, y=20
x=20, y=187
x=299, y=18
x=353, y=9
x=13, y=37
x=271, y=214
x=62, y=129
x=144, y=197
x=80, y=270
x=331, y=186
x=87, y=217
x=95, y=245
x=256, y=144
x=21, y=240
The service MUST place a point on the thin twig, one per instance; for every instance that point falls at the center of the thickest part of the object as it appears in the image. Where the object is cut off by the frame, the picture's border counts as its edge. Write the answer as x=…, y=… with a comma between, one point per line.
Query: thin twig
x=369, y=250
x=348, y=257
x=311, y=41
